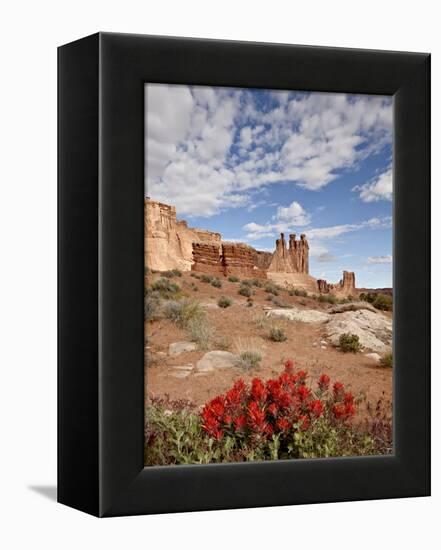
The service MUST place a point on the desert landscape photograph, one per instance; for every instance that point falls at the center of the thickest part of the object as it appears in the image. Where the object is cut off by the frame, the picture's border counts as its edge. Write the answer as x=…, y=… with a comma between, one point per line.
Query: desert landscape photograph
x=268, y=300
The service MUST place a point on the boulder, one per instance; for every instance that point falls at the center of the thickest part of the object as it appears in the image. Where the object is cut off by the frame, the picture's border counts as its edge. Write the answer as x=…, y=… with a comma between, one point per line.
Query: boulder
x=217, y=359
x=374, y=330
x=181, y=347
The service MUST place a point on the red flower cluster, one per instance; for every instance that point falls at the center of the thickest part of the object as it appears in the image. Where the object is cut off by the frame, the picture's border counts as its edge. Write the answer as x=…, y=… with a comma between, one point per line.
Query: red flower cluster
x=275, y=406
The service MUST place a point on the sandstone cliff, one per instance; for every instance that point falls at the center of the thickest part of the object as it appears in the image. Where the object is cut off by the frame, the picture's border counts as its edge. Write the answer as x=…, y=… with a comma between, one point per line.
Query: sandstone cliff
x=168, y=242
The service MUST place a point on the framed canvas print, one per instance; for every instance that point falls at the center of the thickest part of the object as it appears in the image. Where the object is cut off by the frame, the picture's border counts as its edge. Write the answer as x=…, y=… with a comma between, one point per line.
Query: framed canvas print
x=243, y=229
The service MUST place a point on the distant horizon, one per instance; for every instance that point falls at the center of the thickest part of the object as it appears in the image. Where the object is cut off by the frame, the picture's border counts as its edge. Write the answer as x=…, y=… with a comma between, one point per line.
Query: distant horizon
x=251, y=164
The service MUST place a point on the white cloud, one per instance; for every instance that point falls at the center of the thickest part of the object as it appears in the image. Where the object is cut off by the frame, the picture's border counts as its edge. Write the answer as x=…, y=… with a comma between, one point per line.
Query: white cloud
x=305, y=140
x=378, y=189
x=293, y=214
x=379, y=259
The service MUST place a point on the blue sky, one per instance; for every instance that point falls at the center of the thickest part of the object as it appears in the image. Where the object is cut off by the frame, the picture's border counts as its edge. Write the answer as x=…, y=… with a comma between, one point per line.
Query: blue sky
x=252, y=163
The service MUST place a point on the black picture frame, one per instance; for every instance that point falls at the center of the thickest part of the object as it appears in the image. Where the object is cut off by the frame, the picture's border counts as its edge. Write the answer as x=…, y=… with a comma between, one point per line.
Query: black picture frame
x=101, y=274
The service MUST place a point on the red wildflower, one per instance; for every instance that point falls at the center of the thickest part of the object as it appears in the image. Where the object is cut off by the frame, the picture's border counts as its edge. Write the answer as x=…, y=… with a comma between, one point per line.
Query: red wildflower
x=283, y=424
x=339, y=410
x=240, y=422
x=304, y=422
x=303, y=392
x=273, y=409
x=316, y=407
x=324, y=382
x=217, y=406
x=348, y=398
x=349, y=409
x=289, y=366
x=301, y=376
x=338, y=389
x=258, y=391
x=256, y=416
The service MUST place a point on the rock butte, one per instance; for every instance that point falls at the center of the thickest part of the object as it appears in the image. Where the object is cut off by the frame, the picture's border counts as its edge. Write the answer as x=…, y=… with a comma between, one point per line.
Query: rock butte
x=170, y=244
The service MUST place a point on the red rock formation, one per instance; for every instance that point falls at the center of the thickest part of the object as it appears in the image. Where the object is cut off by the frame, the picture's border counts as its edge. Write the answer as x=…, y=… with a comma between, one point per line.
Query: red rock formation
x=323, y=286
x=295, y=259
x=261, y=259
x=347, y=284
x=238, y=259
x=206, y=258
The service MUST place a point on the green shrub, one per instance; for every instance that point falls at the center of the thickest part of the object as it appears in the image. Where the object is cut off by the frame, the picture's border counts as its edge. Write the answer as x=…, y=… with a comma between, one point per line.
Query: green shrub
x=257, y=283
x=233, y=279
x=183, y=311
x=216, y=283
x=206, y=278
x=152, y=305
x=328, y=298
x=201, y=332
x=249, y=359
x=224, y=302
x=246, y=282
x=244, y=291
x=166, y=288
x=195, y=275
x=277, y=334
x=386, y=361
x=349, y=343
x=278, y=302
x=271, y=289
x=368, y=297
x=298, y=292
x=383, y=302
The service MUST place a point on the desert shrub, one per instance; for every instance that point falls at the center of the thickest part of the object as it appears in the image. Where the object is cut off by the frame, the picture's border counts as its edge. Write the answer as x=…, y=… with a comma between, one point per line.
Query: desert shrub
x=246, y=282
x=277, y=334
x=152, y=305
x=281, y=418
x=224, y=302
x=168, y=274
x=257, y=283
x=250, y=302
x=249, y=359
x=328, y=298
x=201, y=332
x=343, y=301
x=223, y=343
x=166, y=288
x=303, y=302
x=368, y=297
x=278, y=302
x=233, y=279
x=271, y=289
x=184, y=311
x=298, y=292
x=195, y=275
x=194, y=287
x=383, y=302
x=244, y=291
x=350, y=298
x=349, y=343
x=206, y=278
x=386, y=361
x=216, y=283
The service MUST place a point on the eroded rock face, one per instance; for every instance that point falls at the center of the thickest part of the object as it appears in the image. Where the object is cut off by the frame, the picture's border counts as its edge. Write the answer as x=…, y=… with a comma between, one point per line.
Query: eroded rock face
x=294, y=259
x=238, y=259
x=347, y=284
x=206, y=258
x=168, y=242
x=323, y=286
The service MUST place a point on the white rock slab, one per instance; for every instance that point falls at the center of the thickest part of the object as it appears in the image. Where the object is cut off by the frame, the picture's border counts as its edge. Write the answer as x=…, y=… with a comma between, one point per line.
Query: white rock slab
x=217, y=359
x=180, y=347
x=302, y=315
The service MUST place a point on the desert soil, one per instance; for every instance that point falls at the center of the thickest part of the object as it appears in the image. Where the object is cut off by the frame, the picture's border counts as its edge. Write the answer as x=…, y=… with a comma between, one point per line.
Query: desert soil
x=237, y=328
